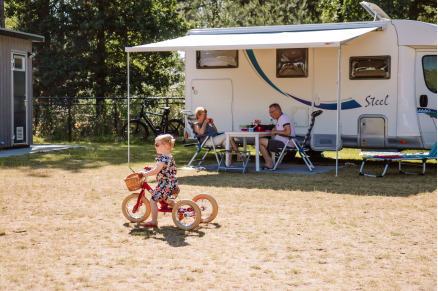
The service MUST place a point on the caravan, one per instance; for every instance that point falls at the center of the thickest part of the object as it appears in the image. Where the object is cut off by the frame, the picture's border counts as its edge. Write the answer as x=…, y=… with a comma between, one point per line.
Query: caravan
x=375, y=81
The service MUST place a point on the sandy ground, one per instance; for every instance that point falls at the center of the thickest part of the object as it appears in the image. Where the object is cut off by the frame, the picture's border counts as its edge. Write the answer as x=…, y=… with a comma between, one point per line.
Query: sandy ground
x=64, y=230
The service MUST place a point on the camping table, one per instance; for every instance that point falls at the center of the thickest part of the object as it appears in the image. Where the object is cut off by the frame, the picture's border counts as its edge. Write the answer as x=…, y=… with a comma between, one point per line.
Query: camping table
x=245, y=135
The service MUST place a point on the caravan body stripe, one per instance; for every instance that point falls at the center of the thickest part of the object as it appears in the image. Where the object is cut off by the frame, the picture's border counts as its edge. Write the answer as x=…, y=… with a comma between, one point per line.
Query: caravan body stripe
x=429, y=111
x=348, y=104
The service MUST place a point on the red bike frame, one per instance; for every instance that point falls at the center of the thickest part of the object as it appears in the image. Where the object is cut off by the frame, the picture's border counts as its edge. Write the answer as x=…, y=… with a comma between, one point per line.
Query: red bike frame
x=164, y=205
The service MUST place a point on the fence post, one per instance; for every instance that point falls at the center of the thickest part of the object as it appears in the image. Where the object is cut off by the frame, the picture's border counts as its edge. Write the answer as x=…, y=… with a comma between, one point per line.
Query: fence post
x=36, y=114
x=52, y=105
x=115, y=114
x=69, y=118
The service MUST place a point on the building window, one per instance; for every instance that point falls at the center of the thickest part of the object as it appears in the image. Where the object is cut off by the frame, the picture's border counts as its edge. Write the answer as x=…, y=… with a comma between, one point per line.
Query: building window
x=292, y=63
x=18, y=64
x=429, y=71
x=217, y=59
x=376, y=67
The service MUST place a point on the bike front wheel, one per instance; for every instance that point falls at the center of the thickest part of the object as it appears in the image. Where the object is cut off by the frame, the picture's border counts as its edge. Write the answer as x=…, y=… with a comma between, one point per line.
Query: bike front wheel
x=136, y=212
x=175, y=127
x=186, y=214
x=138, y=131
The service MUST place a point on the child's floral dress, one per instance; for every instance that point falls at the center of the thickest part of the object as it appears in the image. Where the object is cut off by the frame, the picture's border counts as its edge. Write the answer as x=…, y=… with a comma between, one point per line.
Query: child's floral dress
x=166, y=178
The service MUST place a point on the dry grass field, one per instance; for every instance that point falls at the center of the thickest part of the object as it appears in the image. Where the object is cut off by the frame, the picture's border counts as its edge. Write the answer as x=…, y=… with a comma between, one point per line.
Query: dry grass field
x=61, y=228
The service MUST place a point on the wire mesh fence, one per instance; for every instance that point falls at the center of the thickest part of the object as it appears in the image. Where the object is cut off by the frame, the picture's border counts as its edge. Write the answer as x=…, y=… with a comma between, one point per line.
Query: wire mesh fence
x=93, y=118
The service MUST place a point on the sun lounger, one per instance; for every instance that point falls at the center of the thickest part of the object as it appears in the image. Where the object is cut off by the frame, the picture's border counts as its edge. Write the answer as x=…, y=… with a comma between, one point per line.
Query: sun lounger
x=424, y=157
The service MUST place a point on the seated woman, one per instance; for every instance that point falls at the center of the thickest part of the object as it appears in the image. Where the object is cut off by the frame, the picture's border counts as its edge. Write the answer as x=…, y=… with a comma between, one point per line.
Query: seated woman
x=206, y=125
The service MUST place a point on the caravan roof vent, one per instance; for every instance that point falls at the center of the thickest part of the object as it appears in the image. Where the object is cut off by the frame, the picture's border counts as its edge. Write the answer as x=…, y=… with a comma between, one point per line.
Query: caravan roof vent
x=376, y=12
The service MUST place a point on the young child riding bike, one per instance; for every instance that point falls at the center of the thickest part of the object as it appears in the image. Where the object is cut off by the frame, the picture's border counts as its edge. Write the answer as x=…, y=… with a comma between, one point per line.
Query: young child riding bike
x=166, y=176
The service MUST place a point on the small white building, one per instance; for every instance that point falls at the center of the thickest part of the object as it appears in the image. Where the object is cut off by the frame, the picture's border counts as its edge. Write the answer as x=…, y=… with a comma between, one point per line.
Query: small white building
x=16, y=87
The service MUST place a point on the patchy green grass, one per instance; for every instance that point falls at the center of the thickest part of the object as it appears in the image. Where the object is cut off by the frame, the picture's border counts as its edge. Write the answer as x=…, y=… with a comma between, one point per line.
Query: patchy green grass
x=97, y=155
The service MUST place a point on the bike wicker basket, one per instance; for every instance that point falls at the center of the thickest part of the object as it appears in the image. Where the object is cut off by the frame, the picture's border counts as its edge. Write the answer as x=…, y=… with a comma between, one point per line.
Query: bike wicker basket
x=133, y=182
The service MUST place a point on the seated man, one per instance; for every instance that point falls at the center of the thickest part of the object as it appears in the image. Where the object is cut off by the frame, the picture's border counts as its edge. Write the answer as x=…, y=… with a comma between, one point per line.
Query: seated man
x=284, y=126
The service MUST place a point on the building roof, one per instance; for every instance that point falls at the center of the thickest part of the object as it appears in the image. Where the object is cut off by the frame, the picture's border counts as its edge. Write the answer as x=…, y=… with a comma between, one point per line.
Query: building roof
x=23, y=35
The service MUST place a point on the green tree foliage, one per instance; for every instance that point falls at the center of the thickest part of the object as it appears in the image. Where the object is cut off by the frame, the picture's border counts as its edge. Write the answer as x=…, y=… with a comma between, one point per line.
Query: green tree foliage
x=274, y=12
x=230, y=13
x=83, y=53
x=351, y=10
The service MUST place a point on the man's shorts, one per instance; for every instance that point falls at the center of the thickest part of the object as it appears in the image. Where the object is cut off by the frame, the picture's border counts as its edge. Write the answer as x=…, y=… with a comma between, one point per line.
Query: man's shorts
x=275, y=145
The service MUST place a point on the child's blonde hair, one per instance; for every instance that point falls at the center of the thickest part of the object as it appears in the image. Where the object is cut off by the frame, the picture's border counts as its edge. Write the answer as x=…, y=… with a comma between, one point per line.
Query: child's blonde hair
x=166, y=139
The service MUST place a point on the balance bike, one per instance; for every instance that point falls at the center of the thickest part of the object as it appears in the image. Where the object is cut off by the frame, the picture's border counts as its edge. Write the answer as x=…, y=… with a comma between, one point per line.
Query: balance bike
x=186, y=214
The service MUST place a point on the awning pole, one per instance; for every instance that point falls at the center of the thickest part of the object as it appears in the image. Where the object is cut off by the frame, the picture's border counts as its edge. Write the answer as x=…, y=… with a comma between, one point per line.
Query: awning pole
x=338, y=107
x=129, y=160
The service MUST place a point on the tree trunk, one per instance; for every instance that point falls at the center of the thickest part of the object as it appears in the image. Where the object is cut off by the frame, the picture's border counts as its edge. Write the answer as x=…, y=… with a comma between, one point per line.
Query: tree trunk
x=100, y=72
x=341, y=11
x=2, y=13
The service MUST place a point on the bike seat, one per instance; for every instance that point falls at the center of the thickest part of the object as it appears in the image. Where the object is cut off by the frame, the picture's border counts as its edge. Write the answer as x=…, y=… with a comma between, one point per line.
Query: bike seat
x=166, y=108
x=163, y=204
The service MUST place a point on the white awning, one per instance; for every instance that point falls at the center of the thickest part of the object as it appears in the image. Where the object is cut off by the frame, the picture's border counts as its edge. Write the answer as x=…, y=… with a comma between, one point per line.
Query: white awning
x=296, y=39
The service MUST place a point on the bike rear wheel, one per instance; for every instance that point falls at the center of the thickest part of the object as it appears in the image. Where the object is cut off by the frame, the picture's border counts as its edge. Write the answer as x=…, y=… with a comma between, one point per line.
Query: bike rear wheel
x=208, y=206
x=138, y=131
x=186, y=214
x=136, y=215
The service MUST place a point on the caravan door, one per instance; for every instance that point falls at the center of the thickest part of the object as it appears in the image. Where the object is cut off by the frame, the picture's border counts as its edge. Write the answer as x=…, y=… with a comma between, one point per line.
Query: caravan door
x=426, y=98
x=215, y=95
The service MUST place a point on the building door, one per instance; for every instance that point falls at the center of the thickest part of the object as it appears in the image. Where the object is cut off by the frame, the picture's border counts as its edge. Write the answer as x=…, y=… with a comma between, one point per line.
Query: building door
x=425, y=95
x=215, y=95
x=19, y=99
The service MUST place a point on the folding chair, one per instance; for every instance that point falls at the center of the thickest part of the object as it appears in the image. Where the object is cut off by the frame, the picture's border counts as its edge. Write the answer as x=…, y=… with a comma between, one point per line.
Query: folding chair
x=298, y=146
x=432, y=154
x=201, y=141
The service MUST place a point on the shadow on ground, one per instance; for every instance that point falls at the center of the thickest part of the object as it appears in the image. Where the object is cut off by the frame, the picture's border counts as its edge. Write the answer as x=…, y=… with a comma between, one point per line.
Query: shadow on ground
x=348, y=181
x=174, y=236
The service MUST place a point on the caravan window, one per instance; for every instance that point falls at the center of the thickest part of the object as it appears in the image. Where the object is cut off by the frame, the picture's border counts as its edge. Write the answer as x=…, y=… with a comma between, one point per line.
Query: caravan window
x=429, y=71
x=292, y=63
x=378, y=67
x=217, y=59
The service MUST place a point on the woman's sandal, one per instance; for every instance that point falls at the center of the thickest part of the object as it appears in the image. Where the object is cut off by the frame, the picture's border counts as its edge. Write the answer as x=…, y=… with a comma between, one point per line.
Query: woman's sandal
x=150, y=224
